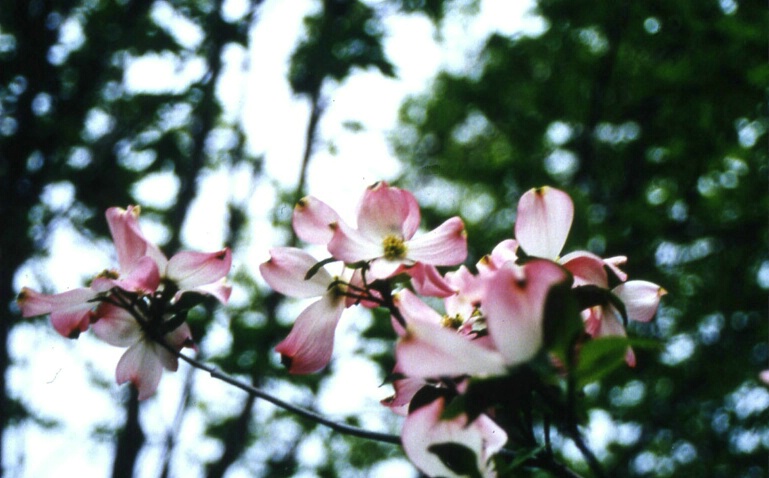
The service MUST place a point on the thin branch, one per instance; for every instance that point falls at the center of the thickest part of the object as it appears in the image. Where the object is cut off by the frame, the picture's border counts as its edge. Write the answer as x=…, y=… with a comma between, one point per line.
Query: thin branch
x=573, y=432
x=299, y=411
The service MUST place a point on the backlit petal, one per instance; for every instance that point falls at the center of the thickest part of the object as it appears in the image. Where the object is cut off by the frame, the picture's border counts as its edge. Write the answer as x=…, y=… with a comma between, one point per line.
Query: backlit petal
x=388, y=210
x=143, y=277
x=286, y=271
x=543, y=221
x=586, y=267
x=350, y=245
x=33, y=303
x=178, y=338
x=423, y=428
x=116, y=326
x=311, y=220
x=141, y=366
x=413, y=309
x=310, y=343
x=428, y=281
x=514, y=307
x=445, y=245
x=220, y=289
x=192, y=269
x=429, y=350
x=382, y=268
x=130, y=243
x=405, y=389
x=641, y=299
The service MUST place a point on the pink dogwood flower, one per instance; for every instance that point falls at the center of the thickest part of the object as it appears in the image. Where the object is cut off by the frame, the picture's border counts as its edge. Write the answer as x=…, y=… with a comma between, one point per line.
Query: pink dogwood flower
x=513, y=307
x=542, y=226
x=143, y=362
x=117, y=302
x=187, y=270
x=424, y=433
x=641, y=300
x=388, y=219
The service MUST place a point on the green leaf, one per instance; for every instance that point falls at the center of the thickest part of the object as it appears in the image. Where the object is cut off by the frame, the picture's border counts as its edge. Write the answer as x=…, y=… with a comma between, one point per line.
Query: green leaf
x=454, y=408
x=523, y=455
x=314, y=269
x=562, y=324
x=427, y=395
x=601, y=356
x=457, y=458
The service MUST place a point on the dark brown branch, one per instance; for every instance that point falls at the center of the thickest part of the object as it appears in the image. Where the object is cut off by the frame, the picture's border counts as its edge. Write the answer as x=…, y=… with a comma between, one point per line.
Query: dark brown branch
x=299, y=411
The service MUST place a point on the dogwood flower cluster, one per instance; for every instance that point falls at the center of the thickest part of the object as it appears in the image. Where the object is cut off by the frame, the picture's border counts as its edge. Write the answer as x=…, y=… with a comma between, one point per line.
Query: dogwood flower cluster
x=513, y=334
x=140, y=304
x=492, y=324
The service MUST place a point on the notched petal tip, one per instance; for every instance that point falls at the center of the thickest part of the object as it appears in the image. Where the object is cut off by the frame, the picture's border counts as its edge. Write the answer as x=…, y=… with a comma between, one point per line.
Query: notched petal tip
x=377, y=185
x=23, y=296
x=223, y=254
x=286, y=361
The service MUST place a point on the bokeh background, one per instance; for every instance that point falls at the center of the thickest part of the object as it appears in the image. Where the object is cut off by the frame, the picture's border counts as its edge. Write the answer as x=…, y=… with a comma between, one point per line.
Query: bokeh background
x=216, y=116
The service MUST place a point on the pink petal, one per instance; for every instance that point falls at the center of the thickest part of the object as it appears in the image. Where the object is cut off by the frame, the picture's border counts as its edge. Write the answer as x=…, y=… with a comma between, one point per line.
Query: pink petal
x=429, y=350
x=469, y=289
x=193, y=269
x=286, y=270
x=544, y=220
x=445, y=245
x=494, y=437
x=388, y=210
x=130, y=243
x=413, y=309
x=312, y=219
x=428, y=281
x=156, y=255
x=586, y=267
x=405, y=389
x=33, y=303
x=505, y=251
x=350, y=245
x=514, y=307
x=116, y=326
x=71, y=311
x=310, y=343
x=613, y=263
x=641, y=299
x=592, y=318
x=424, y=428
x=221, y=290
x=143, y=277
x=141, y=366
x=71, y=324
x=178, y=338
x=382, y=268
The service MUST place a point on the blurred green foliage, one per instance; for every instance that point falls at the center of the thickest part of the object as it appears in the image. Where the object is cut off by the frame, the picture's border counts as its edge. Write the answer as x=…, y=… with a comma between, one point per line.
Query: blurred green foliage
x=652, y=115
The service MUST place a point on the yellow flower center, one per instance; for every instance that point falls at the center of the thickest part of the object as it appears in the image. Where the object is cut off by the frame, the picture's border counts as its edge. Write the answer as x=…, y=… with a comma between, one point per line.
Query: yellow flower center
x=454, y=322
x=108, y=274
x=394, y=247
